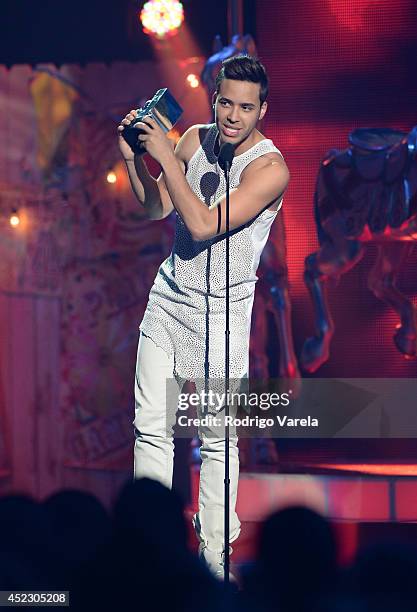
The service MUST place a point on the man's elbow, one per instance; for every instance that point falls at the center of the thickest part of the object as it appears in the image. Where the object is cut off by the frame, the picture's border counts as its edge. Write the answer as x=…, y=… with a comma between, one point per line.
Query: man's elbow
x=200, y=229
x=155, y=210
x=202, y=232
x=200, y=235
x=154, y=216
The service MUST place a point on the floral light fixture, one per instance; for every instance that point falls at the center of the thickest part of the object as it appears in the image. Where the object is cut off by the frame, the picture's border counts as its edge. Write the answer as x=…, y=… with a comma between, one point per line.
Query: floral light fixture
x=161, y=18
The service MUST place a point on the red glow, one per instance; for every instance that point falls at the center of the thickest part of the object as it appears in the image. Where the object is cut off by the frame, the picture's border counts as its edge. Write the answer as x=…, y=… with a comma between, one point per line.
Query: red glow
x=377, y=469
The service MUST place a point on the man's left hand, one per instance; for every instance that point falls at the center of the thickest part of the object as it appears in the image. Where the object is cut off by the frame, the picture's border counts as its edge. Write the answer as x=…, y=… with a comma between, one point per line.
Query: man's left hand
x=155, y=141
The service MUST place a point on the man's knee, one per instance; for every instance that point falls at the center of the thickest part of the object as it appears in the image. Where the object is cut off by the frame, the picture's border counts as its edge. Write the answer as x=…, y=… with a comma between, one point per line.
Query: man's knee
x=215, y=442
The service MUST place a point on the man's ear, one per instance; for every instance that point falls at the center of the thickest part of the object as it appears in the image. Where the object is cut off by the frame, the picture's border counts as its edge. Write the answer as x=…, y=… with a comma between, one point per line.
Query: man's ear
x=264, y=106
x=214, y=98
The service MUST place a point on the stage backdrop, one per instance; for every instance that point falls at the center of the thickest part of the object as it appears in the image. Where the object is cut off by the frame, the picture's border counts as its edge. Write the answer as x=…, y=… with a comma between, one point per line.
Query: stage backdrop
x=335, y=66
x=75, y=273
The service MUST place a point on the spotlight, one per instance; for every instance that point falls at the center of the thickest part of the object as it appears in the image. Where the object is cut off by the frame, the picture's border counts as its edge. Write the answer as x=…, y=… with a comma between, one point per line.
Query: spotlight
x=162, y=17
x=14, y=219
x=111, y=176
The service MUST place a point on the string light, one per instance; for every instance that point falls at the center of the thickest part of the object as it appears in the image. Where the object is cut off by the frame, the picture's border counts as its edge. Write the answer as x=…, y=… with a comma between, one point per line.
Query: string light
x=193, y=80
x=14, y=219
x=162, y=17
x=111, y=176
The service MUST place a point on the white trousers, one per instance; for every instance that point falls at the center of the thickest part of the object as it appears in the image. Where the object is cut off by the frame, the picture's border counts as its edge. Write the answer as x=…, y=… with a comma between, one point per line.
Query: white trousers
x=154, y=446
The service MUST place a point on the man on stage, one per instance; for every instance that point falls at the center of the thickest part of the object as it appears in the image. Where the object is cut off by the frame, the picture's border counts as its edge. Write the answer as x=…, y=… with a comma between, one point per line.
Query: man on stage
x=183, y=328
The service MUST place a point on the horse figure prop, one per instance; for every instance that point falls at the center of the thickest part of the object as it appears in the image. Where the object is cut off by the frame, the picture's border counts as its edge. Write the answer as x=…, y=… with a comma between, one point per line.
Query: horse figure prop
x=273, y=298
x=239, y=44
x=366, y=193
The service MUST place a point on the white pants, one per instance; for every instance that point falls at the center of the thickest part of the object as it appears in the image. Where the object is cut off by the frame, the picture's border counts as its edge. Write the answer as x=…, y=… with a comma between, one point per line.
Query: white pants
x=154, y=446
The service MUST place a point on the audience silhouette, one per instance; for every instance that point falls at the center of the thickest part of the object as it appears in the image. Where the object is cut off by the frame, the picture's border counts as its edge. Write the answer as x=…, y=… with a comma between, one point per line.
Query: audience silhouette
x=138, y=557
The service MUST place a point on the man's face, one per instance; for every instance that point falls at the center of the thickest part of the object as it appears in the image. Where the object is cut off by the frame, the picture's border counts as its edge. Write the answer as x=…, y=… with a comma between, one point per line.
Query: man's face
x=238, y=110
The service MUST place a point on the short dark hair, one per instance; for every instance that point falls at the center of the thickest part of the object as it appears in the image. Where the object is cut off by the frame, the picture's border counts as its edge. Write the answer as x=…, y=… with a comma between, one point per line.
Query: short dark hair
x=244, y=68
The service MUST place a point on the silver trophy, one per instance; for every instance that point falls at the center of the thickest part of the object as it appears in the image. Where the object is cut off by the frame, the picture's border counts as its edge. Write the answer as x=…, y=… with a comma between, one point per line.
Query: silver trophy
x=163, y=108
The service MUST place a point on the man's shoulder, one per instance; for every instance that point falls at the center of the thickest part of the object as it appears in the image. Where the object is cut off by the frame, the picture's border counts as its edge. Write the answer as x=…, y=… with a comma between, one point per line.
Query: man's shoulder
x=270, y=158
x=191, y=140
x=199, y=126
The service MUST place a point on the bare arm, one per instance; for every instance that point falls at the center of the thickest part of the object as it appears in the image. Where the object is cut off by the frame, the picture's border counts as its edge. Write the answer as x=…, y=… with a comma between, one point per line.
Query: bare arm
x=184, y=150
x=260, y=186
x=153, y=193
x=263, y=182
x=146, y=190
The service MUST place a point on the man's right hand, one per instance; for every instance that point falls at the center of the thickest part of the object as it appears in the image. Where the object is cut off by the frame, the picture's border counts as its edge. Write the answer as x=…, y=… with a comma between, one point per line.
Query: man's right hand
x=125, y=149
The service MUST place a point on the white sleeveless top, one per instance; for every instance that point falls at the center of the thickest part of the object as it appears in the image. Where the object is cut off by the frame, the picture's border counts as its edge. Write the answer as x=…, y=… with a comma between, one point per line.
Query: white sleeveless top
x=185, y=314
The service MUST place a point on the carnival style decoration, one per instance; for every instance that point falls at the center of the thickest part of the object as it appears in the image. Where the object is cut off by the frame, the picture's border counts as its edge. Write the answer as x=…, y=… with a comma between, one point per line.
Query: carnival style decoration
x=366, y=193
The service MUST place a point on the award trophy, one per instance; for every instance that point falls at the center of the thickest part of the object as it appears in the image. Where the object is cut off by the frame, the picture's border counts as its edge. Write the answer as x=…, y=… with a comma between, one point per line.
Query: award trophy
x=163, y=108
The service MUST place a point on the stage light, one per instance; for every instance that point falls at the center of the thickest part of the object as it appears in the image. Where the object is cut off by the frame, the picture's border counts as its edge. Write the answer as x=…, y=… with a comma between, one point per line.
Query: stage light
x=14, y=219
x=162, y=18
x=193, y=80
x=111, y=177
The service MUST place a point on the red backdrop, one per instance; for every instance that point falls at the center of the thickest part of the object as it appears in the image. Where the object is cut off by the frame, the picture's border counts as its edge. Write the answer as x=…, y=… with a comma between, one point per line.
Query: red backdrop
x=335, y=66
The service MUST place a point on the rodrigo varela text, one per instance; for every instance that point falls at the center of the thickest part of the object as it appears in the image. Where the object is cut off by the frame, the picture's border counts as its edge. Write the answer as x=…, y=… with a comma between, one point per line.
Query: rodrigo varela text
x=211, y=420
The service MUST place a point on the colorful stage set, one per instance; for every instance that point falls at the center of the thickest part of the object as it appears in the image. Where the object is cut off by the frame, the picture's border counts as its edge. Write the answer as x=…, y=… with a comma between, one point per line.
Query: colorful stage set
x=337, y=291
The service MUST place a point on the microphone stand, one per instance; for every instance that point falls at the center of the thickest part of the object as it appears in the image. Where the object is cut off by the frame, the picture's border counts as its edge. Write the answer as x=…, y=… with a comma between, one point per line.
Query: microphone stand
x=227, y=375
x=225, y=159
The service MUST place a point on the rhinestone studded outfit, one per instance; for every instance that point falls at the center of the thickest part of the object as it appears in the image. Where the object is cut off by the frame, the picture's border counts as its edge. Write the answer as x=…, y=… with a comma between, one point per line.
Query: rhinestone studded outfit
x=185, y=315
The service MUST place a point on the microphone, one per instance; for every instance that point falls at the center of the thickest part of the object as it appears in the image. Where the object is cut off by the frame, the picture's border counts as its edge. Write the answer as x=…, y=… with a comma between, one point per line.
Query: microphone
x=226, y=155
